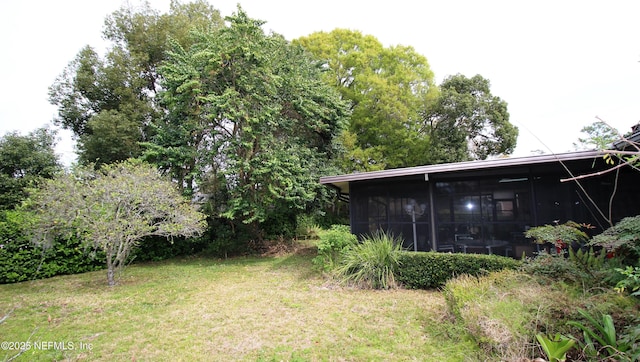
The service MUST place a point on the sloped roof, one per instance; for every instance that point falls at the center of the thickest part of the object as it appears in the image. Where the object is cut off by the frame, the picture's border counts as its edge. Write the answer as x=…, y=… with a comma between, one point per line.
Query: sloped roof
x=631, y=141
x=342, y=181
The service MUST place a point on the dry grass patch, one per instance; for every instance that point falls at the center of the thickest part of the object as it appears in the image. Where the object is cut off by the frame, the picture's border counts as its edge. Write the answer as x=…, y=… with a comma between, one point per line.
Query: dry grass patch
x=241, y=309
x=501, y=312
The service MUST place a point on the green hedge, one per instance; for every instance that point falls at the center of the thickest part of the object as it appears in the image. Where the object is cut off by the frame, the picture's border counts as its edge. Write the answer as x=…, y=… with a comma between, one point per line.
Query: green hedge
x=427, y=270
x=20, y=260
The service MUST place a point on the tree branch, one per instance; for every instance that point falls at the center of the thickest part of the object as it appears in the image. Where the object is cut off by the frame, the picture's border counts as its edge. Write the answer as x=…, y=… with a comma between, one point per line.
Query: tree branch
x=599, y=173
x=7, y=315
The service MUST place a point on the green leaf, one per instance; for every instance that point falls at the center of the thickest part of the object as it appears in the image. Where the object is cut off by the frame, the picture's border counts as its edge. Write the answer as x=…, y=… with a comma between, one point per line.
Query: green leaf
x=556, y=347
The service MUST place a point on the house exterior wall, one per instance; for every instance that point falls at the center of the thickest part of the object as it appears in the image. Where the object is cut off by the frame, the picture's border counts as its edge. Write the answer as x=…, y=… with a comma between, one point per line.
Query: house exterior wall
x=489, y=210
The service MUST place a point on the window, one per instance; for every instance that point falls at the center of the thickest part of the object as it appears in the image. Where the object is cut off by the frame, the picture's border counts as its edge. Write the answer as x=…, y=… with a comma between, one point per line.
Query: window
x=401, y=208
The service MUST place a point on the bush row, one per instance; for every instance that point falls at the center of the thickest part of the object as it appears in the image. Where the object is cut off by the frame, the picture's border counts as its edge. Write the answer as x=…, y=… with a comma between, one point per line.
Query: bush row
x=427, y=270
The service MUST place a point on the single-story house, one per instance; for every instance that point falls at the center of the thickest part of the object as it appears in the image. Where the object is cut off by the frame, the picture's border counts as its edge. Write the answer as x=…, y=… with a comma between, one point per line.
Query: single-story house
x=486, y=206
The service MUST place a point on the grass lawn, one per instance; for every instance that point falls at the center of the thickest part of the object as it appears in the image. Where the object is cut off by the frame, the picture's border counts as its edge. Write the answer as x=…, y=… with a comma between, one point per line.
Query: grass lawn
x=255, y=309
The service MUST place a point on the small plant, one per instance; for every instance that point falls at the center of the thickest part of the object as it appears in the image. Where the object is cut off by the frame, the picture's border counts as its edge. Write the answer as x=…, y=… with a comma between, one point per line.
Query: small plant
x=600, y=336
x=630, y=336
x=587, y=260
x=307, y=228
x=593, y=265
x=331, y=245
x=554, y=267
x=556, y=347
x=372, y=263
x=632, y=281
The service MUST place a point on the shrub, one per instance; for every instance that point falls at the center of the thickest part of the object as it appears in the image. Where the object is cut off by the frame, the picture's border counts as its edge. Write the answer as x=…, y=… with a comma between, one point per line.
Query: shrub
x=332, y=243
x=306, y=227
x=20, y=260
x=372, y=263
x=630, y=336
x=586, y=269
x=156, y=248
x=278, y=225
x=427, y=270
x=225, y=238
x=562, y=235
x=555, y=267
x=623, y=239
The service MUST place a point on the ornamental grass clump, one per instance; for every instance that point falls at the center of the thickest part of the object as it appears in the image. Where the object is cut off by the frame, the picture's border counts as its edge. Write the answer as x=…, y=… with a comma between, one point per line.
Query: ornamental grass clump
x=372, y=263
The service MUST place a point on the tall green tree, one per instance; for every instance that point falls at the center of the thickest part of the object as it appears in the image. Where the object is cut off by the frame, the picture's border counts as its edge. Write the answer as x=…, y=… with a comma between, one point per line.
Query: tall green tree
x=387, y=89
x=467, y=122
x=598, y=135
x=98, y=97
x=144, y=33
x=112, y=209
x=250, y=120
x=25, y=161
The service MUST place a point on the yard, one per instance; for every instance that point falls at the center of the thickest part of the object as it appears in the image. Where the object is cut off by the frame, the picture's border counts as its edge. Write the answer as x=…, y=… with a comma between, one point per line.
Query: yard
x=258, y=308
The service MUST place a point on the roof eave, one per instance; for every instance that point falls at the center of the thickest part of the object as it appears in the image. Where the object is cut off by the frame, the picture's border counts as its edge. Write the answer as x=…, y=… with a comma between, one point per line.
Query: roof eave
x=343, y=180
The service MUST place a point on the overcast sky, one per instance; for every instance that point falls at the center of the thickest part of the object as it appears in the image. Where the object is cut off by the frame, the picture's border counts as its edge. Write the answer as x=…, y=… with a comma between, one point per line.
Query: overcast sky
x=558, y=64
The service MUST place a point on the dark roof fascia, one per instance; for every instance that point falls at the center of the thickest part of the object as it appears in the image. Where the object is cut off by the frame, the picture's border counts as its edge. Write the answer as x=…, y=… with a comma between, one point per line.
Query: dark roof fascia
x=629, y=143
x=460, y=166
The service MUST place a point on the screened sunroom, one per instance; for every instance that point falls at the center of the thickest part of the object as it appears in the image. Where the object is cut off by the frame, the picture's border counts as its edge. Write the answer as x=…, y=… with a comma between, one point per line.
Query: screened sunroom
x=486, y=206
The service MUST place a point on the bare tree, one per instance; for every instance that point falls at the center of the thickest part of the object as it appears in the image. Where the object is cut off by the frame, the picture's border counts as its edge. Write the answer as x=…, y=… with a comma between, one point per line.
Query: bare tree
x=112, y=210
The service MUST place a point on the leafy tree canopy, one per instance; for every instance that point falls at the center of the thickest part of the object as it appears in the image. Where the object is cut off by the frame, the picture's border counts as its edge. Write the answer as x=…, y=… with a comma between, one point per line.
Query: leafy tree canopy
x=24, y=162
x=467, y=122
x=387, y=89
x=112, y=210
x=400, y=118
x=250, y=121
x=99, y=96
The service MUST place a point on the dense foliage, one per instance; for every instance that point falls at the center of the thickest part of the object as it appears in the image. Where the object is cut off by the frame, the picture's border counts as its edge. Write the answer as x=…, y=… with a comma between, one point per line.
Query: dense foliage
x=400, y=117
x=21, y=260
x=246, y=122
x=112, y=210
x=623, y=239
x=111, y=102
x=378, y=261
x=603, y=272
x=332, y=244
x=249, y=122
x=387, y=87
x=24, y=162
x=467, y=122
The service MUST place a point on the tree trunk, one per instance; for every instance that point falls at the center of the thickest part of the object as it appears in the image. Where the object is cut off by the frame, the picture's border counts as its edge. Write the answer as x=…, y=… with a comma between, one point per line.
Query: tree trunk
x=111, y=280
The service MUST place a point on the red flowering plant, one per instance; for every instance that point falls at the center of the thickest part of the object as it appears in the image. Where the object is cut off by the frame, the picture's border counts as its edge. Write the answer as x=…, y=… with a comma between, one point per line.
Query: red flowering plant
x=621, y=240
x=560, y=235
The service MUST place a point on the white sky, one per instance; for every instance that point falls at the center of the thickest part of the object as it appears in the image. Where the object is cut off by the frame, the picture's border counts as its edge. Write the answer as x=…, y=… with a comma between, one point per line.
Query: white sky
x=558, y=64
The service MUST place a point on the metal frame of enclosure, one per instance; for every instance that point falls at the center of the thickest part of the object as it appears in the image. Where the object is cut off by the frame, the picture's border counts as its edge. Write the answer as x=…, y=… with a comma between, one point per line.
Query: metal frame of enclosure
x=486, y=206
